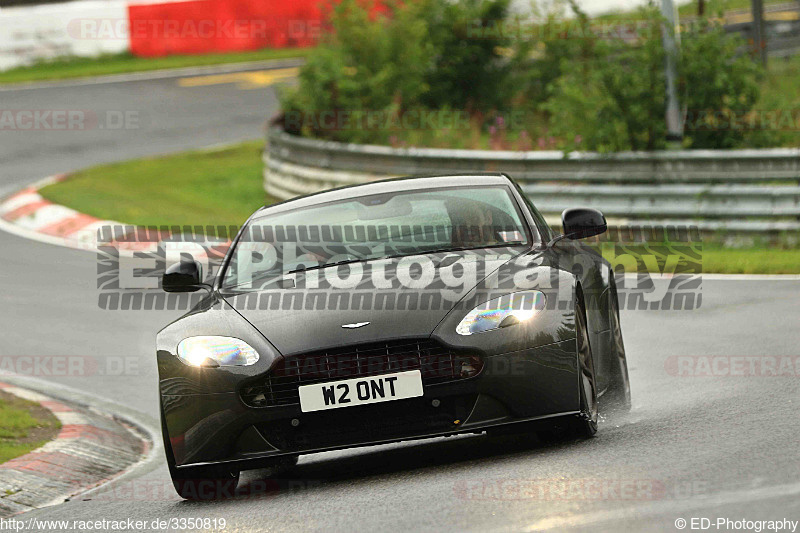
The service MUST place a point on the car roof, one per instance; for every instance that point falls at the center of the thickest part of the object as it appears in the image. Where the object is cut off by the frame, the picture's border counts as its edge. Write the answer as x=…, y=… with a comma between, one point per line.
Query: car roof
x=408, y=183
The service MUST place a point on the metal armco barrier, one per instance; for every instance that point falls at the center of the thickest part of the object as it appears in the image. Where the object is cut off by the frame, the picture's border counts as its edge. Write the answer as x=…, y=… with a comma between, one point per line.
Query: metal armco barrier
x=735, y=190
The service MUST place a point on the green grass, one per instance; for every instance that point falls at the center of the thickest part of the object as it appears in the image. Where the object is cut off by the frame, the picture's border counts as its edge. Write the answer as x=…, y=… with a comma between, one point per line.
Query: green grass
x=778, y=101
x=205, y=187
x=779, y=86
x=761, y=260
x=80, y=67
x=14, y=422
x=717, y=259
x=9, y=450
x=24, y=426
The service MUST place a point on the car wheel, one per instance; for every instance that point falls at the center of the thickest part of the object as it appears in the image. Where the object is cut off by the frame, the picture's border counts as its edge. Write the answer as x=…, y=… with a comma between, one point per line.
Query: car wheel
x=618, y=395
x=586, y=422
x=198, y=483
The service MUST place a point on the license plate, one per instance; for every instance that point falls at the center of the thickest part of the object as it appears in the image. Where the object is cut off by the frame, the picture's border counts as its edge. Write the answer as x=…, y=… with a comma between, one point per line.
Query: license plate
x=360, y=391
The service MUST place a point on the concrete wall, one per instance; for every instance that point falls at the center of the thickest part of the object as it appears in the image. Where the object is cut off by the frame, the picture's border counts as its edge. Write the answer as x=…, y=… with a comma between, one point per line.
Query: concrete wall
x=82, y=28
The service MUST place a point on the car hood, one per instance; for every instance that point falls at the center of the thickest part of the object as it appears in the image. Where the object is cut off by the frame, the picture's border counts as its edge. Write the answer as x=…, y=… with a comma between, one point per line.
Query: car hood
x=294, y=323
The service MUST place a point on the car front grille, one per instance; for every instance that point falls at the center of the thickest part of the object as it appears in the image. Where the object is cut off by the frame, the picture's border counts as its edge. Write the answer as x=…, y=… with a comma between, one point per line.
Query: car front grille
x=369, y=423
x=437, y=364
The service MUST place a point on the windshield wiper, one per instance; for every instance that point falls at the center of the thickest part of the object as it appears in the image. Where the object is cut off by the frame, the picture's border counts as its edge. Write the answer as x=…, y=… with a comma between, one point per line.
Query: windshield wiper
x=466, y=248
x=335, y=263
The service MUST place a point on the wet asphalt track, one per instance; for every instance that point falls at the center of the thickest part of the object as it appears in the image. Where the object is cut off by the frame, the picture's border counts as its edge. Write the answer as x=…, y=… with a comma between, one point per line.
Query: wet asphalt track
x=694, y=446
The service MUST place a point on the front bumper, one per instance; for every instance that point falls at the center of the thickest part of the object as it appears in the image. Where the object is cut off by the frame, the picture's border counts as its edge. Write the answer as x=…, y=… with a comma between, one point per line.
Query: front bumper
x=514, y=386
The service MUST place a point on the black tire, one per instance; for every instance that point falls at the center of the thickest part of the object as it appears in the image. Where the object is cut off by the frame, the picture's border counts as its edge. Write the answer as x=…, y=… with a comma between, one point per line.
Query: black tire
x=585, y=424
x=198, y=483
x=618, y=395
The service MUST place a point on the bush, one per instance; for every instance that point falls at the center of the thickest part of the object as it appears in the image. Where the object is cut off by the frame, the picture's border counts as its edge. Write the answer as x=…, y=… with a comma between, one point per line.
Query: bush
x=576, y=89
x=613, y=99
x=413, y=56
x=719, y=85
x=370, y=62
x=617, y=100
x=467, y=71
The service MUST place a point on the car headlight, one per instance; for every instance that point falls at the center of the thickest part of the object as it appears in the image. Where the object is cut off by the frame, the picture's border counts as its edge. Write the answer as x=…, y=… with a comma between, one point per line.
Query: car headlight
x=213, y=351
x=502, y=312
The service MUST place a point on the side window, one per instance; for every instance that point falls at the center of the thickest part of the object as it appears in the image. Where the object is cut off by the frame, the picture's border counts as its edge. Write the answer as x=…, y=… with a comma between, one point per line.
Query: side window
x=545, y=231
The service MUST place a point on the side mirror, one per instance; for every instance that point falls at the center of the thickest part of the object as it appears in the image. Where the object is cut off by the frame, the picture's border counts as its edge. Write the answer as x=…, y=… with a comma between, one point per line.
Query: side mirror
x=185, y=276
x=583, y=222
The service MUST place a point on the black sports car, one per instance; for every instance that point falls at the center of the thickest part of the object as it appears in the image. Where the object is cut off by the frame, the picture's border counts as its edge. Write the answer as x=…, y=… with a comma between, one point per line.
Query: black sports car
x=398, y=309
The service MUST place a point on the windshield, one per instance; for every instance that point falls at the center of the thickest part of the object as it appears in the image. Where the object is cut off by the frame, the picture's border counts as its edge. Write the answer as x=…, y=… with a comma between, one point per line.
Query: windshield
x=375, y=227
